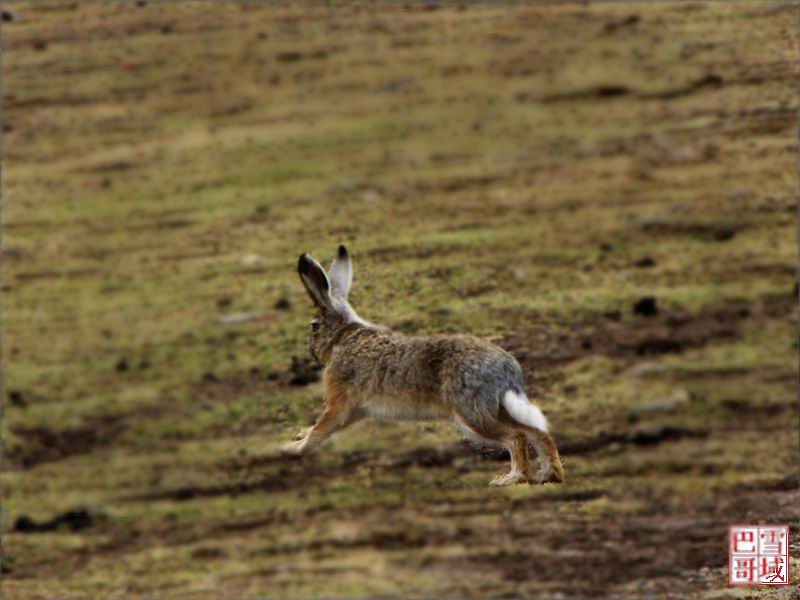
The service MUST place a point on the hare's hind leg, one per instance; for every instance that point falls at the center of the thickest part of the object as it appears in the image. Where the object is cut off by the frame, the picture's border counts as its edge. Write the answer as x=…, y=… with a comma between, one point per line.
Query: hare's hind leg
x=520, y=465
x=550, y=467
x=496, y=433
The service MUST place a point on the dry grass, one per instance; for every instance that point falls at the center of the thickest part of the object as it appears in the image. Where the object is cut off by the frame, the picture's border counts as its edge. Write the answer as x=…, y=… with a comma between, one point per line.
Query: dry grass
x=521, y=172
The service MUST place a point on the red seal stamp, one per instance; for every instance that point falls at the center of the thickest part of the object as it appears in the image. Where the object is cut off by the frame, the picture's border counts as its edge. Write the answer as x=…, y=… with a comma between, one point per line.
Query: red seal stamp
x=758, y=555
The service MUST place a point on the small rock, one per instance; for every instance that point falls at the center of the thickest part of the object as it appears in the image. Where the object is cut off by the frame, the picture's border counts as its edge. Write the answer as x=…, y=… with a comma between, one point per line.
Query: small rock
x=653, y=433
x=25, y=524
x=518, y=273
x=667, y=404
x=370, y=196
x=587, y=149
x=74, y=520
x=236, y=318
x=645, y=307
x=432, y=457
x=252, y=260
x=346, y=184
x=463, y=464
x=401, y=461
x=725, y=231
x=6, y=564
x=734, y=403
x=208, y=553
x=646, y=369
x=647, y=434
x=283, y=304
x=303, y=371
x=289, y=56
x=616, y=24
x=738, y=194
x=658, y=346
x=396, y=85
x=17, y=399
x=7, y=15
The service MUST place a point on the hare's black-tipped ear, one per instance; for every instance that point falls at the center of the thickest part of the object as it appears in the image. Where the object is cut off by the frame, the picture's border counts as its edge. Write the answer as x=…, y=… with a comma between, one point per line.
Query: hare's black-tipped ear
x=341, y=273
x=315, y=281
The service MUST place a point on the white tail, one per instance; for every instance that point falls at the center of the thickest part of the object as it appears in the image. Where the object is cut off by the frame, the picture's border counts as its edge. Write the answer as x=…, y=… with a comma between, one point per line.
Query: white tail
x=523, y=411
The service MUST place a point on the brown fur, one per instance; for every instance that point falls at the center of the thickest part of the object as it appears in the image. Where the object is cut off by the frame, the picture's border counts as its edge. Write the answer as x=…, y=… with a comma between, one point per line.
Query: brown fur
x=371, y=371
x=545, y=446
x=519, y=455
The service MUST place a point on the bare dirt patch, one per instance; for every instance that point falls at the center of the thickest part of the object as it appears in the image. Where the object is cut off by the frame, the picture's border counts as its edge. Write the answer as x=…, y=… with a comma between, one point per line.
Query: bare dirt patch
x=45, y=444
x=300, y=372
x=659, y=332
x=71, y=520
x=274, y=472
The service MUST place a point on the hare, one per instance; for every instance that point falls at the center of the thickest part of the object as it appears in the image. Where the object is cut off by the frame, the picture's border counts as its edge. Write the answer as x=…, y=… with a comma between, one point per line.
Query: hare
x=371, y=371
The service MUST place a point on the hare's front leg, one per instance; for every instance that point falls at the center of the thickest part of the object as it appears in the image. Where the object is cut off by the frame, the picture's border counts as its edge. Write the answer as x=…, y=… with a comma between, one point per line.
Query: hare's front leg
x=340, y=411
x=303, y=433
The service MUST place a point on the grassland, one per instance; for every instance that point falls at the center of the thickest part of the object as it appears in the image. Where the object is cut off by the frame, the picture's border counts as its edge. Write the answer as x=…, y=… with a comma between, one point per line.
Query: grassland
x=525, y=173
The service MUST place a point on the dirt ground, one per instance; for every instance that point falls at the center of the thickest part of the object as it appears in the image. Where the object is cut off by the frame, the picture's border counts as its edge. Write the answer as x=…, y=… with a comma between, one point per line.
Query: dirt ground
x=606, y=190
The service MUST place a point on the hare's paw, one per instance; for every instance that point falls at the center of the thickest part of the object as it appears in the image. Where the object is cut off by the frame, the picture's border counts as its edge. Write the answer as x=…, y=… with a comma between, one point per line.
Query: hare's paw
x=295, y=448
x=548, y=474
x=510, y=478
x=303, y=433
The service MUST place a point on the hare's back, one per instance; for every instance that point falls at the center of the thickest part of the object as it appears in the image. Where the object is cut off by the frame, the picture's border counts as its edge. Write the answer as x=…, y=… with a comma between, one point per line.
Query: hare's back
x=436, y=368
x=474, y=368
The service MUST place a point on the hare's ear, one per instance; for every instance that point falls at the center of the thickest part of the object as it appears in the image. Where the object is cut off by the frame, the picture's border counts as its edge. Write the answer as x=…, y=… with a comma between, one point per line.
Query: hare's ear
x=341, y=274
x=315, y=281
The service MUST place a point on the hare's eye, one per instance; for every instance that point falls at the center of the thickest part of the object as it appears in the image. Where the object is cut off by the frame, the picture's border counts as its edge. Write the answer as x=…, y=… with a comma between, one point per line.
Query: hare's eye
x=314, y=325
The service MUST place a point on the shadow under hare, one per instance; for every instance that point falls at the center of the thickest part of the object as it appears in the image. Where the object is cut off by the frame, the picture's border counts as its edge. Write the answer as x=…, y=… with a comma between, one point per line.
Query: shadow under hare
x=371, y=371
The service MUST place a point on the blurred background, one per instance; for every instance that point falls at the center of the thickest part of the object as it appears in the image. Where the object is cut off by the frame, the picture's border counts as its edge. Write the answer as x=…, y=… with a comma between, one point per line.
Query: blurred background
x=606, y=190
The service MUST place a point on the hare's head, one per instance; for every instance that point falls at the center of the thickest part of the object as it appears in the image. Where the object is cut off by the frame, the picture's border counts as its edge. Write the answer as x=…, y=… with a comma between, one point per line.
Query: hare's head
x=329, y=293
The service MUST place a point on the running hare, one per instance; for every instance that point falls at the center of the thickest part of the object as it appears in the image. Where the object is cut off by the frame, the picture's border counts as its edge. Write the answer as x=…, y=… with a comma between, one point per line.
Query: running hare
x=371, y=371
